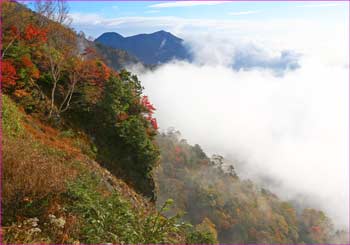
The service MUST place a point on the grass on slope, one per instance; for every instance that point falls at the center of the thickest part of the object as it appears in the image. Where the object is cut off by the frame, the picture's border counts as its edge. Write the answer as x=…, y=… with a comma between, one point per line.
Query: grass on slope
x=54, y=193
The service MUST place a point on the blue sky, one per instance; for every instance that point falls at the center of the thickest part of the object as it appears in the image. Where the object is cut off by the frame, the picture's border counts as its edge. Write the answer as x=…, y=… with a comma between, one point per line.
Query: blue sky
x=210, y=10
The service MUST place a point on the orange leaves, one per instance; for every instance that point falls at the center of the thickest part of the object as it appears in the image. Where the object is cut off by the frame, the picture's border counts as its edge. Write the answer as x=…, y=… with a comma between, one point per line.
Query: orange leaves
x=9, y=74
x=35, y=34
x=95, y=72
x=35, y=73
x=27, y=63
x=20, y=93
x=105, y=71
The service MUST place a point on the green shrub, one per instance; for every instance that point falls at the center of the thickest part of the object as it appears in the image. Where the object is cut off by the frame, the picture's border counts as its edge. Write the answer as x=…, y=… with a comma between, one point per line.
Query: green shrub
x=107, y=218
x=200, y=237
x=69, y=133
x=11, y=118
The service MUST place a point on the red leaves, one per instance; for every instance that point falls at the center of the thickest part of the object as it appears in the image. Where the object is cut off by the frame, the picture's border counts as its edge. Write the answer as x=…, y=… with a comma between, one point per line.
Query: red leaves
x=28, y=65
x=9, y=74
x=14, y=30
x=178, y=149
x=35, y=34
x=154, y=123
x=316, y=229
x=150, y=110
x=30, y=34
x=26, y=61
x=147, y=104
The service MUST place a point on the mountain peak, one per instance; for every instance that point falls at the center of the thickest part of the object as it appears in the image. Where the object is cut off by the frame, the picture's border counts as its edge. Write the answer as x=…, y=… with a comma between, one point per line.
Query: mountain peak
x=110, y=35
x=162, y=32
x=146, y=47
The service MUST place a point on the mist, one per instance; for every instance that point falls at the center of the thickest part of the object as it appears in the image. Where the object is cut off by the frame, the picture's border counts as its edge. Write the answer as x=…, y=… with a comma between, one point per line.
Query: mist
x=287, y=126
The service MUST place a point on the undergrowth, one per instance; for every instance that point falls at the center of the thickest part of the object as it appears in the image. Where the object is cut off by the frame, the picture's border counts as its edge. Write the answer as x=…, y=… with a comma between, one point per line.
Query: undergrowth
x=110, y=219
x=11, y=118
x=51, y=196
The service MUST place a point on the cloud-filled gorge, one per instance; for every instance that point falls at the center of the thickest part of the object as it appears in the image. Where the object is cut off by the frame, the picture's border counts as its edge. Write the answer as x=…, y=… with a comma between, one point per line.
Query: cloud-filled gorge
x=291, y=129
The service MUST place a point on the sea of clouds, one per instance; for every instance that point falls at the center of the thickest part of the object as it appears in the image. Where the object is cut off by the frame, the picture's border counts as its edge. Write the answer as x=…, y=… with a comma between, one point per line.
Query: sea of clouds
x=276, y=104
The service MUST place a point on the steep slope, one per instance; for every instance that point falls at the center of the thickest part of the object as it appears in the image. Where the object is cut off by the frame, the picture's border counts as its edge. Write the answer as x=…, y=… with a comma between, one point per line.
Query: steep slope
x=79, y=155
x=64, y=116
x=238, y=211
x=53, y=192
x=47, y=70
x=155, y=48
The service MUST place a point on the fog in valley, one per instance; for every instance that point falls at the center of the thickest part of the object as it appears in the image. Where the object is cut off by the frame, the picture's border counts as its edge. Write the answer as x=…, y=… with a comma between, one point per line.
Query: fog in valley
x=276, y=107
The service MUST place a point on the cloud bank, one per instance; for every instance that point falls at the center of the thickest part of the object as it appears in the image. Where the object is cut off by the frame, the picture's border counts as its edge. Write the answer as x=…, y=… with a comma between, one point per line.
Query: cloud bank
x=244, y=12
x=290, y=129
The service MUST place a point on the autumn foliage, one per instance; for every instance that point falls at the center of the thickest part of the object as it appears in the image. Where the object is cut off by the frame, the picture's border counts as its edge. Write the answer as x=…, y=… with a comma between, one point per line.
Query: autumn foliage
x=8, y=74
x=34, y=34
x=57, y=77
x=237, y=210
x=51, y=70
x=150, y=109
x=33, y=71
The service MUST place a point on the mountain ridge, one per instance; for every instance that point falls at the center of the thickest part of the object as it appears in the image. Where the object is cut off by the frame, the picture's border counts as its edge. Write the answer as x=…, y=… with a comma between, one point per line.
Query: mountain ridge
x=152, y=49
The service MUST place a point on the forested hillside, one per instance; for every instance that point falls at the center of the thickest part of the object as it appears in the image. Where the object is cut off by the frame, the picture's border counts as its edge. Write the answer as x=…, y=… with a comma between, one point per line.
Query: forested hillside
x=67, y=118
x=237, y=211
x=83, y=160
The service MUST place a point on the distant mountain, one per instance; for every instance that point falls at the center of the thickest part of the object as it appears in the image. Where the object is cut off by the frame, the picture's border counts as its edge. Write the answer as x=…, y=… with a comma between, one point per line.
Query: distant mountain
x=155, y=48
x=115, y=58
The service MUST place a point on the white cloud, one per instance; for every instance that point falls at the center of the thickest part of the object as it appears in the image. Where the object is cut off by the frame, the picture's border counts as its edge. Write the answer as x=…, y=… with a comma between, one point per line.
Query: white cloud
x=321, y=5
x=245, y=12
x=179, y=25
x=293, y=129
x=80, y=18
x=152, y=11
x=185, y=4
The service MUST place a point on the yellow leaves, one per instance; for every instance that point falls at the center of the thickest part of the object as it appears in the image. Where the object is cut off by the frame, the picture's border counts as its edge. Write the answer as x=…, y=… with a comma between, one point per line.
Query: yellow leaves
x=21, y=93
x=208, y=226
